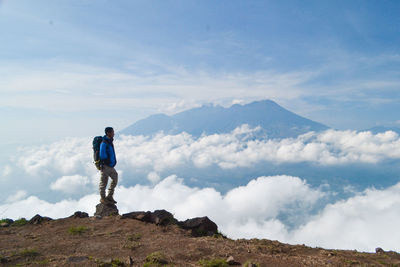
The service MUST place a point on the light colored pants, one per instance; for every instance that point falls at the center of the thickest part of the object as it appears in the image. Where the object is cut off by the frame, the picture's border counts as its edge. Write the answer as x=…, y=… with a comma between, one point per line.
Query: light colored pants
x=106, y=172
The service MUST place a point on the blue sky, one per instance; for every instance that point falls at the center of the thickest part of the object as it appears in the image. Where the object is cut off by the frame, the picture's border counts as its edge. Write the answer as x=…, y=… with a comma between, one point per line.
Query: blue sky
x=69, y=68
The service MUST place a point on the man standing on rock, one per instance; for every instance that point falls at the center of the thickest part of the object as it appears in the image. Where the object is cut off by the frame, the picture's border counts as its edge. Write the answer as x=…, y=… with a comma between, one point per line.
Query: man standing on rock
x=108, y=161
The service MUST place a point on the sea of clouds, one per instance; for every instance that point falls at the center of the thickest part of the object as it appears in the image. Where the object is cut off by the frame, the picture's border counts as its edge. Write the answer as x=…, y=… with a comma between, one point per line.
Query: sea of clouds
x=282, y=207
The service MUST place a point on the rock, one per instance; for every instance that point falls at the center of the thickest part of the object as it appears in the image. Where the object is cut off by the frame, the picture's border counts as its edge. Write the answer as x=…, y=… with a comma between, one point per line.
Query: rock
x=6, y=222
x=144, y=216
x=162, y=217
x=37, y=219
x=79, y=214
x=231, y=261
x=106, y=210
x=379, y=250
x=77, y=259
x=3, y=260
x=158, y=217
x=200, y=226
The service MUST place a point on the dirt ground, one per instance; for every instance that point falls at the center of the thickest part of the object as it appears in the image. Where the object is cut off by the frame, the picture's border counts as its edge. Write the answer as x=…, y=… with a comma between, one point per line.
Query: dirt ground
x=113, y=241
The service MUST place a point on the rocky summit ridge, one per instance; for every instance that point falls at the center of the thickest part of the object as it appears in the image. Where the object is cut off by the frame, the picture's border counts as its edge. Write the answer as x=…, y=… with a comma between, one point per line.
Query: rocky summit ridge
x=145, y=238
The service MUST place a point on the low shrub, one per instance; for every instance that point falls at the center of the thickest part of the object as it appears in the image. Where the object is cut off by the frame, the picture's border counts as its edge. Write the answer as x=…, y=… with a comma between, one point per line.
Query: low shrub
x=220, y=235
x=20, y=222
x=78, y=230
x=135, y=237
x=28, y=253
x=155, y=259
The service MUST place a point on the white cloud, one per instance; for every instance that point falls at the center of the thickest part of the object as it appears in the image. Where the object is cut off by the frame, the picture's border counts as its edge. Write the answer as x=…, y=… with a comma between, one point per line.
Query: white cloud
x=226, y=151
x=66, y=157
x=7, y=170
x=20, y=194
x=70, y=184
x=149, y=83
x=153, y=177
x=362, y=222
x=32, y=205
x=172, y=88
x=237, y=150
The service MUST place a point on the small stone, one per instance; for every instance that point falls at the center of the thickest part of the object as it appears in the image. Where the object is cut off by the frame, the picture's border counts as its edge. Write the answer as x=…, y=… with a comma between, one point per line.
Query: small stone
x=77, y=259
x=379, y=250
x=231, y=261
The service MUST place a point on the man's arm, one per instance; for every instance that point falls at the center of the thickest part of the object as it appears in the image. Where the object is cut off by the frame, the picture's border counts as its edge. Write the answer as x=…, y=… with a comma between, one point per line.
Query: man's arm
x=103, y=151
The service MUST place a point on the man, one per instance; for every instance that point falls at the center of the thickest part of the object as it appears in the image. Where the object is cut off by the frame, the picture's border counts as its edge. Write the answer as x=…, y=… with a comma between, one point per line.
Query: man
x=108, y=161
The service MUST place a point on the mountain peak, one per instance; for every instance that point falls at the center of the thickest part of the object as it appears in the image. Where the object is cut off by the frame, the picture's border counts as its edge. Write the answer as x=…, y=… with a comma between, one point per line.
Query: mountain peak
x=276, y=121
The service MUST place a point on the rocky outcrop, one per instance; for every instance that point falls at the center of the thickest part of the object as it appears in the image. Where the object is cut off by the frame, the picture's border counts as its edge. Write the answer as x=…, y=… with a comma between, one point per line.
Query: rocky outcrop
x=158, y=217
x=79, y=214
x=103, y=210
x=200, y=226
x=37, y=219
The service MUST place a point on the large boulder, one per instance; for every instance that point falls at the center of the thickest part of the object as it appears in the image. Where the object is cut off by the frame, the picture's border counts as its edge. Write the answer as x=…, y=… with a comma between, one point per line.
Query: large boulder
x=37, y=219
x=144, y=216
x=79, y=214
x=200, y=226
x=103, y=210
x=158, y=217
x=163, y=217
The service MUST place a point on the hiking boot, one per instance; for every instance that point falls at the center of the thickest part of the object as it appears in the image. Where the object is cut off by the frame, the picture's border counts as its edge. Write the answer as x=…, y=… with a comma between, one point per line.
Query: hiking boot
x=111, y=199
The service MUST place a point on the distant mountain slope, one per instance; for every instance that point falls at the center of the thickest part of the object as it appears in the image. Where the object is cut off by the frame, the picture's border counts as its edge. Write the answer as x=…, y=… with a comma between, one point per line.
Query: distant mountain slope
x=276, y=121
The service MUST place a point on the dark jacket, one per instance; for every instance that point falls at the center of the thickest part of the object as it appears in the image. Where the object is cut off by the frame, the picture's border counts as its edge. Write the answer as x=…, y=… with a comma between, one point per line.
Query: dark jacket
x=107, y=152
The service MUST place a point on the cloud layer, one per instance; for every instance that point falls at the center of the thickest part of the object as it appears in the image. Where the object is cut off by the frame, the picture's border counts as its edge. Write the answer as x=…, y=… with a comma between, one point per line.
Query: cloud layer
x=362, y=222
x=280, y=207
x=238, y=149
x=221, y=160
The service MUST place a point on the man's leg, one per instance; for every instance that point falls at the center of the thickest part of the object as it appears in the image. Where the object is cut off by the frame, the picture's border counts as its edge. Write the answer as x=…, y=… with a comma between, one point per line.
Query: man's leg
x=103, y=183
x=114, y=180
